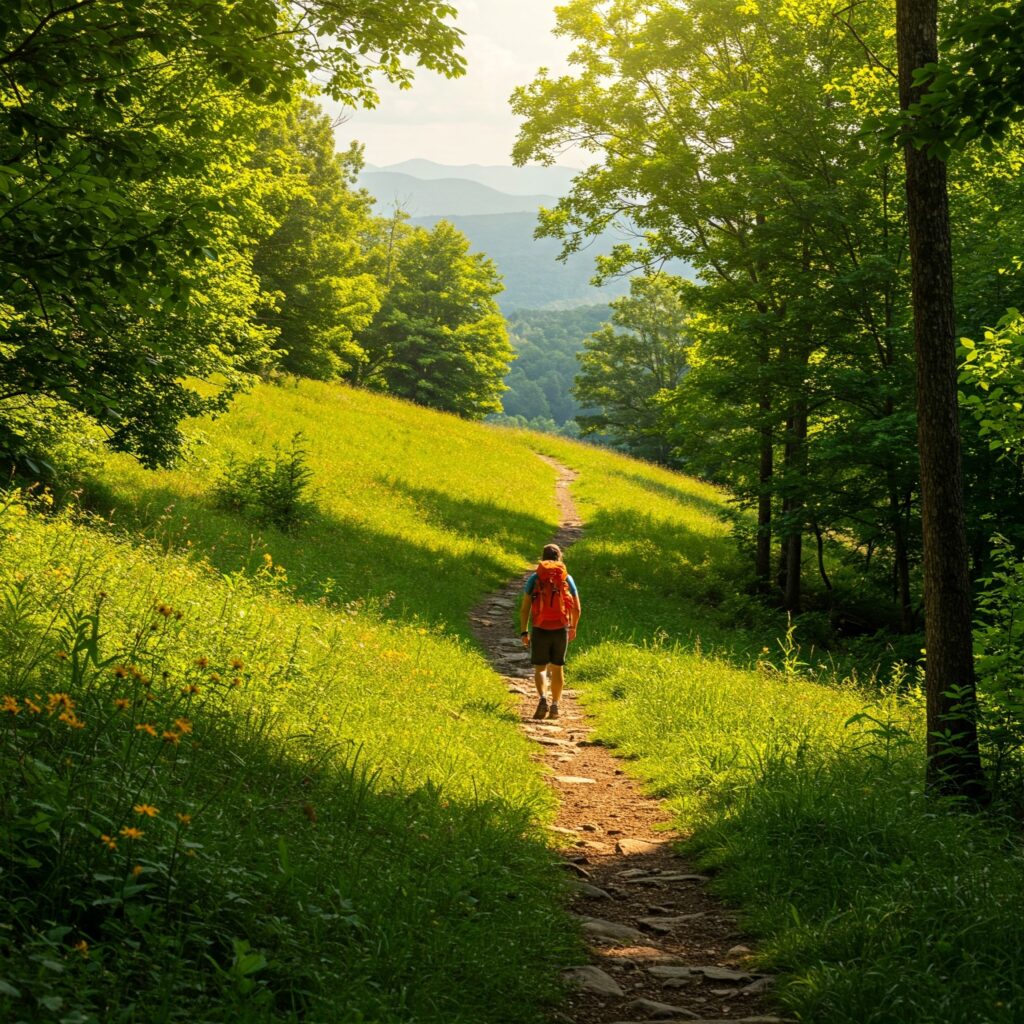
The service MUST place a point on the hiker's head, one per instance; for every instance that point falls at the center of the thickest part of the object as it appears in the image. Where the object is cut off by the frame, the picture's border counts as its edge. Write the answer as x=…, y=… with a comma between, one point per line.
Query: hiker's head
x=552, y=553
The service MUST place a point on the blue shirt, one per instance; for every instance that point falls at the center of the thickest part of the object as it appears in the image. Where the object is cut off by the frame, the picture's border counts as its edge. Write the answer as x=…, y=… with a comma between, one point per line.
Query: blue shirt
x=531, y=582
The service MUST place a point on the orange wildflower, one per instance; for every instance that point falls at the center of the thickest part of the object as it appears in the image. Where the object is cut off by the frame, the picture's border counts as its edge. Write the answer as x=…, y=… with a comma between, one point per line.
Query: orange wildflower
x=185, y=819
x=31, y=705
x=122, y=703
x=183, y=725
x=171, y=737
x=237, y=664
x=59, y=700
x=109, y=842
x=132, y=833
x=191, y=690
x=202, y=662
x=71, y=720
x=147, y=809
x=137, y=870
x=83, y=947
x=145, y=727
x=10, y=705
x=120, y=671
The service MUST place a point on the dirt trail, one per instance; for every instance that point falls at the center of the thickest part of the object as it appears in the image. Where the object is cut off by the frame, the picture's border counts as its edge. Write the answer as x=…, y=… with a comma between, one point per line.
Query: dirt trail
x=661, y=947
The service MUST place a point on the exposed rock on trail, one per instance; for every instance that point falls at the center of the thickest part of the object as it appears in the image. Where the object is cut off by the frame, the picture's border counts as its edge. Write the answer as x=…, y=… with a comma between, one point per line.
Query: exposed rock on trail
x=661, y=947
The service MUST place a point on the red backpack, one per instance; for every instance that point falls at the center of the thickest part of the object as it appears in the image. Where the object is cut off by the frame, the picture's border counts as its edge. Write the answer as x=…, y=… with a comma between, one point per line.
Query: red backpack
x=551, y=596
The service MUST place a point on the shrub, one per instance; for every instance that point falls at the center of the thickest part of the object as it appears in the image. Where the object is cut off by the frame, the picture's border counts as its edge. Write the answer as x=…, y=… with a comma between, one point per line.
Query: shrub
x=271, y=490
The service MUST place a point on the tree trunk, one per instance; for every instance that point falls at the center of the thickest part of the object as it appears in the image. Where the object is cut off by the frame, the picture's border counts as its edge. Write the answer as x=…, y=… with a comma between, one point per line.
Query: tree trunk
x=796, y=457
x=763, y=551
x=954, y=765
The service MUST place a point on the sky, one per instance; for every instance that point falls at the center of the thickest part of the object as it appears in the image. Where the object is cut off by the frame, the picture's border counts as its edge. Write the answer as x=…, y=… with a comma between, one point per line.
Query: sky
x=466, y=120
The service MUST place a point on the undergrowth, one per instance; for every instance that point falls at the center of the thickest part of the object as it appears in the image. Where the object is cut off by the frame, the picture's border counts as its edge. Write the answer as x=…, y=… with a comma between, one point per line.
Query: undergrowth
x=218, y=803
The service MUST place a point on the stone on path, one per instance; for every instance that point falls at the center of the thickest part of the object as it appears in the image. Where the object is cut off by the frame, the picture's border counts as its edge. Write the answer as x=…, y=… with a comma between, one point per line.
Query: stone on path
x=592, y=891
x=723, y=974
x=670, y=971
x=592, y=979
x=612, y=931
x=632, y=847
x=667, y=925
x=757, y=987
x=575, y=780
x=654, y=1010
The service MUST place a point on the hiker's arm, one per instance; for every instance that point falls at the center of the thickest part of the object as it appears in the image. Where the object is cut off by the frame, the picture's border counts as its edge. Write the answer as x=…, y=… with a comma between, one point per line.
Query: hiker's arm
x=574, y=612
x=524, y=615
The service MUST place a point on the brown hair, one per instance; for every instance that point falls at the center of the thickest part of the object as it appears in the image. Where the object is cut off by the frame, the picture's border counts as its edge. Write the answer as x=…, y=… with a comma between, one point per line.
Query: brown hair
x=552, y=553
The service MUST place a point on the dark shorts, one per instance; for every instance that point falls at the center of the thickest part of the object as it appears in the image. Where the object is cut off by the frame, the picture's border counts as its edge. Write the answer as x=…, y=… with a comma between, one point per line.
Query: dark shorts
x=547, y=646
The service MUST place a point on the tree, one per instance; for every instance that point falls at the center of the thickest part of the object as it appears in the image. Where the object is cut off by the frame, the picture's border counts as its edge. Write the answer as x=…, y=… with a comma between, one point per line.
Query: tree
x=439, y=338
x=313, y=264
x=127, y=223
x=954, y=763
x=628, y=375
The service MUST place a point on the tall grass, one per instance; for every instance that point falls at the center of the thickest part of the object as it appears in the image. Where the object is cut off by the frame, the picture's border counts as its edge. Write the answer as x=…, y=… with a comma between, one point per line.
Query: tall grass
x=418, y=512
x=218, y=803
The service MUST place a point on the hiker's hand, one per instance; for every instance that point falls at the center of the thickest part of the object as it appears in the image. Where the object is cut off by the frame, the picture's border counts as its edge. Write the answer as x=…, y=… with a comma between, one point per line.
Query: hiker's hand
x=571, y=635
x=526, y=639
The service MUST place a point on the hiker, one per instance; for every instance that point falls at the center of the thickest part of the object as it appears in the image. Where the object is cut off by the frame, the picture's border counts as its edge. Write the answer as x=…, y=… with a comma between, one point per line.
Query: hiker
x=552, y=604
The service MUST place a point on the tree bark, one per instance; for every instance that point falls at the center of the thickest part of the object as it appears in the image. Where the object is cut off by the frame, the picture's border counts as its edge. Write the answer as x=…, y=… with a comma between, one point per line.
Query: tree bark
x=763, y=551
x=954, y=765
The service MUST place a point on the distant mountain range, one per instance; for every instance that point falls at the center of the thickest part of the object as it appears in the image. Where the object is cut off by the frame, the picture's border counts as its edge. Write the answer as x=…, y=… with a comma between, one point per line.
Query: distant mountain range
x=512, y=180
x=500, y=222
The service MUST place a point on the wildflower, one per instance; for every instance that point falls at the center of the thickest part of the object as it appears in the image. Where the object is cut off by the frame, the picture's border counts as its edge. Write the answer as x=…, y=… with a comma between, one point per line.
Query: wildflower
x=71, y=720
x=61, y=655
x=185, y=819
x=136, y=673
x=237, y=664
x=164, y=609
x=31, y=705
x=83, y=947
x=236, y=682
x=120, y=671
x=190, y=853
x=170, y=737
x=122, y=703
x=132, y=833
x=202, y=662
x=10, y=705
x=183, y=725
x=59, y=700
x=267, y=560
x=191, y=690
x=108, y=841
x=137, y=870
x=214, y=677
x=145, y=727
x=147, y=809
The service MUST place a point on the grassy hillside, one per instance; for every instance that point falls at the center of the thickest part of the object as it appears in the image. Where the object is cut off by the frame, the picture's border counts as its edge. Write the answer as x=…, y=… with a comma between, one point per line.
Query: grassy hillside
x=235, y=792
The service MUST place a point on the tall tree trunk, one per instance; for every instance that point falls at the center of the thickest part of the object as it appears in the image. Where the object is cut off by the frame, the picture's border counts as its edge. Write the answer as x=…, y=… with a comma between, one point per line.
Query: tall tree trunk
x=763, y=551
x=954, y=765
x=796, y=465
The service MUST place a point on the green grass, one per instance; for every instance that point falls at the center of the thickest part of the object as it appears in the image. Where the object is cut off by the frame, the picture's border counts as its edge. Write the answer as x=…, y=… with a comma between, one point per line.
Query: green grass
x=876, y=903
x=364, y=837
x=419, y=512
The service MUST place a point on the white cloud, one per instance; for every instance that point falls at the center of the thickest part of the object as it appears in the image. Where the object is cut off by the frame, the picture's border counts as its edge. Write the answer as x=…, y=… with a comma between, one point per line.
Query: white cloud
x=464, y=120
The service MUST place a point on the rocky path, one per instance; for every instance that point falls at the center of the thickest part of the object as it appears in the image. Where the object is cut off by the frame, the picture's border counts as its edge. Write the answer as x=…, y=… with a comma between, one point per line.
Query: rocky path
x=660, y=947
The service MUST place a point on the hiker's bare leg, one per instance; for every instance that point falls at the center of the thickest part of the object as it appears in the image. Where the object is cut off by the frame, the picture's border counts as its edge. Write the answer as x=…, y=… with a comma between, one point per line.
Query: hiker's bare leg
x=557, y=681
x=539, y=679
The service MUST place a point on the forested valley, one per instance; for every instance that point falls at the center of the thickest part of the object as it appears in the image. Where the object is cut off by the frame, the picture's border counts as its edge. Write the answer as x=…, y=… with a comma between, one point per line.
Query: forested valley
x=277, y=463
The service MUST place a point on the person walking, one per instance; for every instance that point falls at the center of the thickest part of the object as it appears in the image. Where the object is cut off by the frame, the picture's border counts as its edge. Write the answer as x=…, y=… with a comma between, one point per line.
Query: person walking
x=551, y=605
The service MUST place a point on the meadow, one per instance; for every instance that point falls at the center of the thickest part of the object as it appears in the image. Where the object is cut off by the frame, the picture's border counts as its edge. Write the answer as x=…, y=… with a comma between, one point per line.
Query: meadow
x=254, y=774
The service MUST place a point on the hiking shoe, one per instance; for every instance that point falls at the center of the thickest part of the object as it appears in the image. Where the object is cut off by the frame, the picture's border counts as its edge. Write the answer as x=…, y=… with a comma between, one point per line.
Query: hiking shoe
x=553, y=712
x=542, y=708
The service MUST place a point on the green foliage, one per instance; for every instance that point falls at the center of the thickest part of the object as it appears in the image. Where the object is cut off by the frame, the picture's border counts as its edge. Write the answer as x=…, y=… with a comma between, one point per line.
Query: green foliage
x=220, y=803
x=439, y=338
x=268, y=489
x=630, y=375
x=314, y=265
x=130, y=212
x=546, y=343
x=992, y=375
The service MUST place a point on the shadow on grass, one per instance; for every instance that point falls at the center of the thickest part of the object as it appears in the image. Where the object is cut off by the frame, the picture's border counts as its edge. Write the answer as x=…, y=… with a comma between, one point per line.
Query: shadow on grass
x=343, y=560
x=706, y=506
x=354, y=902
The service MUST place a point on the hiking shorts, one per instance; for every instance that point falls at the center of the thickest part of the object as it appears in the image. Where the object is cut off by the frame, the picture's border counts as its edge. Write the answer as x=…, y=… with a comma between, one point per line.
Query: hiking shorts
x=547, y=646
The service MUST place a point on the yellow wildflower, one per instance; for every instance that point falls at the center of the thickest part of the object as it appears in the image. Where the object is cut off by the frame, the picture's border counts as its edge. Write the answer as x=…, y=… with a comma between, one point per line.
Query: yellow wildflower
x=183, y=725
x=59, y=700
x=185, y=819
x=202, y=662
x=109, y=842
x=31, y=705
x=145, y=727
x=122, y=703
x=171, y=737
x=137, y=870
x=191, y=690
x=61, y=655
x=147, y=809
x=120, y=671
x=237, y=664
x=132, y=833
x=236, y=682
x=10, y=705
x=214, y=677
x=83, y=947
x=71, y=720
